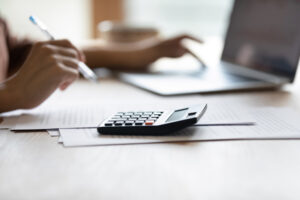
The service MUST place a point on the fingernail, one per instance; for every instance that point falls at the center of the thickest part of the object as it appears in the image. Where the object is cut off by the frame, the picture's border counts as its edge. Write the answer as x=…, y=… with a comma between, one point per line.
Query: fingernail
x=82, y=58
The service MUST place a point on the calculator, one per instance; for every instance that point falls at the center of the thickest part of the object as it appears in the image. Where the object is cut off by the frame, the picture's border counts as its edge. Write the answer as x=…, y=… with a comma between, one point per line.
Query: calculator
x=160, y=122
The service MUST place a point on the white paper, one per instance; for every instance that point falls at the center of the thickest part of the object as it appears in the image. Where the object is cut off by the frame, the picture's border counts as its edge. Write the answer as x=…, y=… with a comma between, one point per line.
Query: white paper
x=86, y=115
x=71, y=116
x=60, y=140
x=226, y=115
x=8, y=119
x=271, y=123
x=53, y=133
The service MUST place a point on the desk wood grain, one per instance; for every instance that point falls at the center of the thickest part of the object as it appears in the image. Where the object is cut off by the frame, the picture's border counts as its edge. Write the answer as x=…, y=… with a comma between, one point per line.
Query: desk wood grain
x=34, y=166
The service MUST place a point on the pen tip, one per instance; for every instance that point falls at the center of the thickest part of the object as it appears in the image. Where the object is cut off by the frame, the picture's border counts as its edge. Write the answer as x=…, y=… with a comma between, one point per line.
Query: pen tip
x=31, y=18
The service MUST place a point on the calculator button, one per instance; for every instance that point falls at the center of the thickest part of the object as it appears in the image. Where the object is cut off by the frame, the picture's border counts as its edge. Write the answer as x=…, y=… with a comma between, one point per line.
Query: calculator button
x=108, y=124
x=118, y=124
x=132, y=119
x=155, y=116
x=128, y=123
x=149, y=123
x=157, y=113
x=139, y=113
x=145, y=116
x=139, y=123
x=129, y=113
x=152, y=119
x=142, y=119
x=135, y=116
x=148, y=113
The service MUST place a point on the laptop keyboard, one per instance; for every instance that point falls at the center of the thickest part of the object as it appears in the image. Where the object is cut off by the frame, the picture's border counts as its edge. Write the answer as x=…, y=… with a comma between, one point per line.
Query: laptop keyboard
x=226, y=77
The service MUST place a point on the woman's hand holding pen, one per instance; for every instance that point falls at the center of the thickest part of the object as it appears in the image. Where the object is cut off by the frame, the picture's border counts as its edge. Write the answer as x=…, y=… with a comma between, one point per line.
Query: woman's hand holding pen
x=50, y=65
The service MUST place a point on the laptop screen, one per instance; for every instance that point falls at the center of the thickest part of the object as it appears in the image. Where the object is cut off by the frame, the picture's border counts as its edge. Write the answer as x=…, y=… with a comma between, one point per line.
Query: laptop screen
x=264, y=35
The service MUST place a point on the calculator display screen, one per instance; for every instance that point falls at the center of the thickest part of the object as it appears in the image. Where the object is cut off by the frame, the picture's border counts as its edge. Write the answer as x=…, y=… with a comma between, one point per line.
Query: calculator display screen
x=178, y=114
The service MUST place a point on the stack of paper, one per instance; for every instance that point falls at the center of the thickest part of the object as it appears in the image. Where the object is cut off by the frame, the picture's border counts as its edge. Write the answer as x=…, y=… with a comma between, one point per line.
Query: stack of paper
x=271, y=124
x=75, y=125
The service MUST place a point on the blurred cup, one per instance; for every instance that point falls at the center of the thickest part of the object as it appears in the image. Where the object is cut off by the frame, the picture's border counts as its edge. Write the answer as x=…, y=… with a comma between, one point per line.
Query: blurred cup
x=123, y=32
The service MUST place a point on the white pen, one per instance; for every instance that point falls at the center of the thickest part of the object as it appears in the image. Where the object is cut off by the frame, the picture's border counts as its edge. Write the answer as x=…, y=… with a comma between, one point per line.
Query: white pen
x=82, y=67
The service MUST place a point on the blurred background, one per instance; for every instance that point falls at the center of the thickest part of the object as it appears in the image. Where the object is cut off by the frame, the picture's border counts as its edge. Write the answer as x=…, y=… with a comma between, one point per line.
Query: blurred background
x=78, y=19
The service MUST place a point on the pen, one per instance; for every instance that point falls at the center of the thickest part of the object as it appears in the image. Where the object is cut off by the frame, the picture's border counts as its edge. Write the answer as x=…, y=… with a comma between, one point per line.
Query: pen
x=82, y=67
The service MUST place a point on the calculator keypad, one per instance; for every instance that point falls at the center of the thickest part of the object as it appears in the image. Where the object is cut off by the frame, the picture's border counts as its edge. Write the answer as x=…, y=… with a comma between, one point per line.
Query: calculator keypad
x=134, y=118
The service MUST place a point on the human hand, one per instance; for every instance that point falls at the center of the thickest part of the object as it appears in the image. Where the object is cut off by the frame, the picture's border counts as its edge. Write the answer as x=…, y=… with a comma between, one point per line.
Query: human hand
x=50, y=65
x=172, y=47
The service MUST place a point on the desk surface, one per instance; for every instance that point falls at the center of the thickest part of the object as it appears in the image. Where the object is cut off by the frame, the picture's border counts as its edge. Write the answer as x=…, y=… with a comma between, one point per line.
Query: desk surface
x=34, y=166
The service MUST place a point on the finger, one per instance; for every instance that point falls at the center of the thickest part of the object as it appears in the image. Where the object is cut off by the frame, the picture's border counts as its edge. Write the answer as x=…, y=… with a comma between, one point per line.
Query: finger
x=67, y=74
x=182, y=37
x=179, y=52
x=69, y=62
x=64, y=85
x=65, y=51
x=175, y=51
x=83, y=57
x=67, y=43
x=196, y=57
x=70, y=75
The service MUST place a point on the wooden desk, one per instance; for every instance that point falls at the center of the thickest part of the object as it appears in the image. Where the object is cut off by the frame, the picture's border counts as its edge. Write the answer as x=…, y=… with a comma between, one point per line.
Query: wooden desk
x=34, y=166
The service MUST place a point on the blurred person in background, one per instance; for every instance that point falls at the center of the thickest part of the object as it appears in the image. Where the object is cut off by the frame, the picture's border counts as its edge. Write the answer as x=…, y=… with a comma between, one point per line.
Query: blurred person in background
x=31, y=71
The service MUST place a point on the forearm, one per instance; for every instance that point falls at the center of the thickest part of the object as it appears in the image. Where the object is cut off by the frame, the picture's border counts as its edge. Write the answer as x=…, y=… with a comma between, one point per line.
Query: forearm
x=119, y=56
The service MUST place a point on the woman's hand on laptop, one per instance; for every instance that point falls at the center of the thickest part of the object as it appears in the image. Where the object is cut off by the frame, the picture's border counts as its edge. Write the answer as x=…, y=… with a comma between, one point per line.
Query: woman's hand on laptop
x=171, y=47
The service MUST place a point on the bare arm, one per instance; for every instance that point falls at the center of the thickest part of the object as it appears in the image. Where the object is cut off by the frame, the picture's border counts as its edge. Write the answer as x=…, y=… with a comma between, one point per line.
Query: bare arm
x=135, y=55
x=118, y=56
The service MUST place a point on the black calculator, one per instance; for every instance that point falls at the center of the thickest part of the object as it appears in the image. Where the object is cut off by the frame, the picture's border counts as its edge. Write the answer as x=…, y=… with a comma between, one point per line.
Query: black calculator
x=160, y=122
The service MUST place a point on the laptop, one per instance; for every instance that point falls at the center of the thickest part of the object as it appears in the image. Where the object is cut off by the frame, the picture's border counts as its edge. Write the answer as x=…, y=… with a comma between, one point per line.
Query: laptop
x=261, y=50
